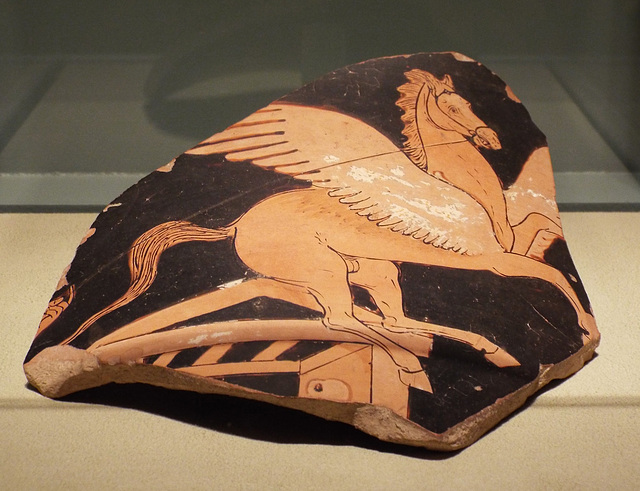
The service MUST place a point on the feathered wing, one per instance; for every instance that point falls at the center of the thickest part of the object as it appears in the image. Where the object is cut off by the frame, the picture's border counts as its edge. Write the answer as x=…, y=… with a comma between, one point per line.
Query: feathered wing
x=362, y=169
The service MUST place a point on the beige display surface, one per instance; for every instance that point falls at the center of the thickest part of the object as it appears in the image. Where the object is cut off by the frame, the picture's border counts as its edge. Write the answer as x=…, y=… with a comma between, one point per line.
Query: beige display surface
x=582, y=434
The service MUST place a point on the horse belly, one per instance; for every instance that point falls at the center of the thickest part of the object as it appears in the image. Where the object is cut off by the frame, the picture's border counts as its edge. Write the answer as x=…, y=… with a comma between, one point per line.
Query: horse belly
x=282, y=236
x=298, y=226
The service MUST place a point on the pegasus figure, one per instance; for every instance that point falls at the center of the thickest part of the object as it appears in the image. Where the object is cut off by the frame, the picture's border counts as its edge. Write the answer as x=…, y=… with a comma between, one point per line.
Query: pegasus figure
x=370, y=206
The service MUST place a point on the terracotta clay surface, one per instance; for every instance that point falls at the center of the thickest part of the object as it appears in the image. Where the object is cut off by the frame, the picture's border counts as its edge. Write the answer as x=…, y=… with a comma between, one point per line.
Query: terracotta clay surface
x=380, y=247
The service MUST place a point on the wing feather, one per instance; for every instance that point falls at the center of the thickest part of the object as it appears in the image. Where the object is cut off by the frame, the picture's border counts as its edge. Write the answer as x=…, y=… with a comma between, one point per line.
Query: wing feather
x=362, y=169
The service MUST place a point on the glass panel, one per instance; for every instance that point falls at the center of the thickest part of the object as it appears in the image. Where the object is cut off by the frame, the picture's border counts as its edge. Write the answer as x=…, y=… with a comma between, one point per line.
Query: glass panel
x=94, y=95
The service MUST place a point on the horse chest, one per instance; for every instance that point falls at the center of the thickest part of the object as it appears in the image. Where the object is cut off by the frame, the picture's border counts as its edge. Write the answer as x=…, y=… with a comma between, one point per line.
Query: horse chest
x=450, y=160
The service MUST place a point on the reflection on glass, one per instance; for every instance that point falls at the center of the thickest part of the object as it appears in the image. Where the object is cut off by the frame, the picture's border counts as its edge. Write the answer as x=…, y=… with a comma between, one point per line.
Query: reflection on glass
x=94, y=96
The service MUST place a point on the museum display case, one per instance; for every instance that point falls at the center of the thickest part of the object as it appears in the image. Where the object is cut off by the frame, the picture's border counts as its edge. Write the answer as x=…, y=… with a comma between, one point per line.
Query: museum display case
x=95, y=96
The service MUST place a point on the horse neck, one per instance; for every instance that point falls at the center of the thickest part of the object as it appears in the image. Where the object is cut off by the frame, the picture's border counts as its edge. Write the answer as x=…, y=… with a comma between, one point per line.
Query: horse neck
x=430, y=133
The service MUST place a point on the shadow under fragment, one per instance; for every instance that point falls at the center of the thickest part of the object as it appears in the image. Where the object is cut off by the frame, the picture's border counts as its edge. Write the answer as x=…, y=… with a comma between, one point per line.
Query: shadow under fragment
x=242, y=417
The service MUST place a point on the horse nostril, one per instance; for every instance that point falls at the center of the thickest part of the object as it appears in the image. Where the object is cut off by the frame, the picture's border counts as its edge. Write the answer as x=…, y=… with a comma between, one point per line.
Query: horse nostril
x=487, y=138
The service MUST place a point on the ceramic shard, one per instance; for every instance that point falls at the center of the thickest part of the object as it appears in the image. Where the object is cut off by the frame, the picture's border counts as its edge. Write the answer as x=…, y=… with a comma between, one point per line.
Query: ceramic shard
x=380, y=247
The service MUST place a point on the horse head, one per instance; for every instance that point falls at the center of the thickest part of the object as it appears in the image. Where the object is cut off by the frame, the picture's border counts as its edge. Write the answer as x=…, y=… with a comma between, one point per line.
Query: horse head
x=449, y=111
x=434, y=114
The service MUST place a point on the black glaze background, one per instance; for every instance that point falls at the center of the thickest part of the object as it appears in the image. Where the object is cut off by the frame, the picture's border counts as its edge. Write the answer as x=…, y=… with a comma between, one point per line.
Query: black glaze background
x=527, y=317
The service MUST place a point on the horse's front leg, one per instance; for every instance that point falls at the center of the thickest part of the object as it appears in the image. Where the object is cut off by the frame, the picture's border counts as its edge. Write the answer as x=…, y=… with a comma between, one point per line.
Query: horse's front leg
x=466, y=169
x=534, y=235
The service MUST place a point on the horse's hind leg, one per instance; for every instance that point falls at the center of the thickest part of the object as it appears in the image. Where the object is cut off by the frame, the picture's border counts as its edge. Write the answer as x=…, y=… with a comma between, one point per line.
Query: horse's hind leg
x=381, y=279
x=331, y=289
x=323, y=273
x=335, y=298
x=209, y=302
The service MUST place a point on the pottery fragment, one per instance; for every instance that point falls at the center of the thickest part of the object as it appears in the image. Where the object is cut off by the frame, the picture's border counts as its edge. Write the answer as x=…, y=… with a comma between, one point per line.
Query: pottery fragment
x=380, y=247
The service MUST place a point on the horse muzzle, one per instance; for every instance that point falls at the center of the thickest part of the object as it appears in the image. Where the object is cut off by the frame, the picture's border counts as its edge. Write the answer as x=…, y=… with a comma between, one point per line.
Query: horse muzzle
x=486, y=138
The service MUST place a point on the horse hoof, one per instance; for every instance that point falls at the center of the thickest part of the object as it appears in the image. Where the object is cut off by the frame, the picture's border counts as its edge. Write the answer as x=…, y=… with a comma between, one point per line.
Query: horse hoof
x=588, y=326
x=501, y=358
x=417, y=380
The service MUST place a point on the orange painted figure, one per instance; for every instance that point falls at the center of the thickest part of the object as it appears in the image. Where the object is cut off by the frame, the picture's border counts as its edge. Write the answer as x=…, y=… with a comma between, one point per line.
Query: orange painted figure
x=435, y=202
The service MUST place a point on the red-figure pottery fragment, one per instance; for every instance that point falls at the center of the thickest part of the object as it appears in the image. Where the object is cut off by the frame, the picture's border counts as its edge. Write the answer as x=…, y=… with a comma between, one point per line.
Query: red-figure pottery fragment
x=380, y=247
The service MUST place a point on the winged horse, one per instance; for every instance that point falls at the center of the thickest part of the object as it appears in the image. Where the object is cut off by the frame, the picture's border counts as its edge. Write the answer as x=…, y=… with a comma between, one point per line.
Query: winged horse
x=370, y=206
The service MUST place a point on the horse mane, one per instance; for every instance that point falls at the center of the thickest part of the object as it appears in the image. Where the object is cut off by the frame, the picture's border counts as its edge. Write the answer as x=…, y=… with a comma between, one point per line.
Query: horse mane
x=418, y=80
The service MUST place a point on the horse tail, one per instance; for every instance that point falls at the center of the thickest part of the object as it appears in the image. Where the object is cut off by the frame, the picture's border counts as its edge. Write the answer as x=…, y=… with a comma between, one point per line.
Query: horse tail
x=144, y=257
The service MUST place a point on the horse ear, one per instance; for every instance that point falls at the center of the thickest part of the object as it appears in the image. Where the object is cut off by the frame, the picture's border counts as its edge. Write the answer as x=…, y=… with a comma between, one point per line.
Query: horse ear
x=448, y=82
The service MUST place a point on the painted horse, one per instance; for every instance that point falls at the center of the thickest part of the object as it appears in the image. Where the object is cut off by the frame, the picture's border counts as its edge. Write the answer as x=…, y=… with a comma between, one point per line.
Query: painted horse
x=370, y=206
